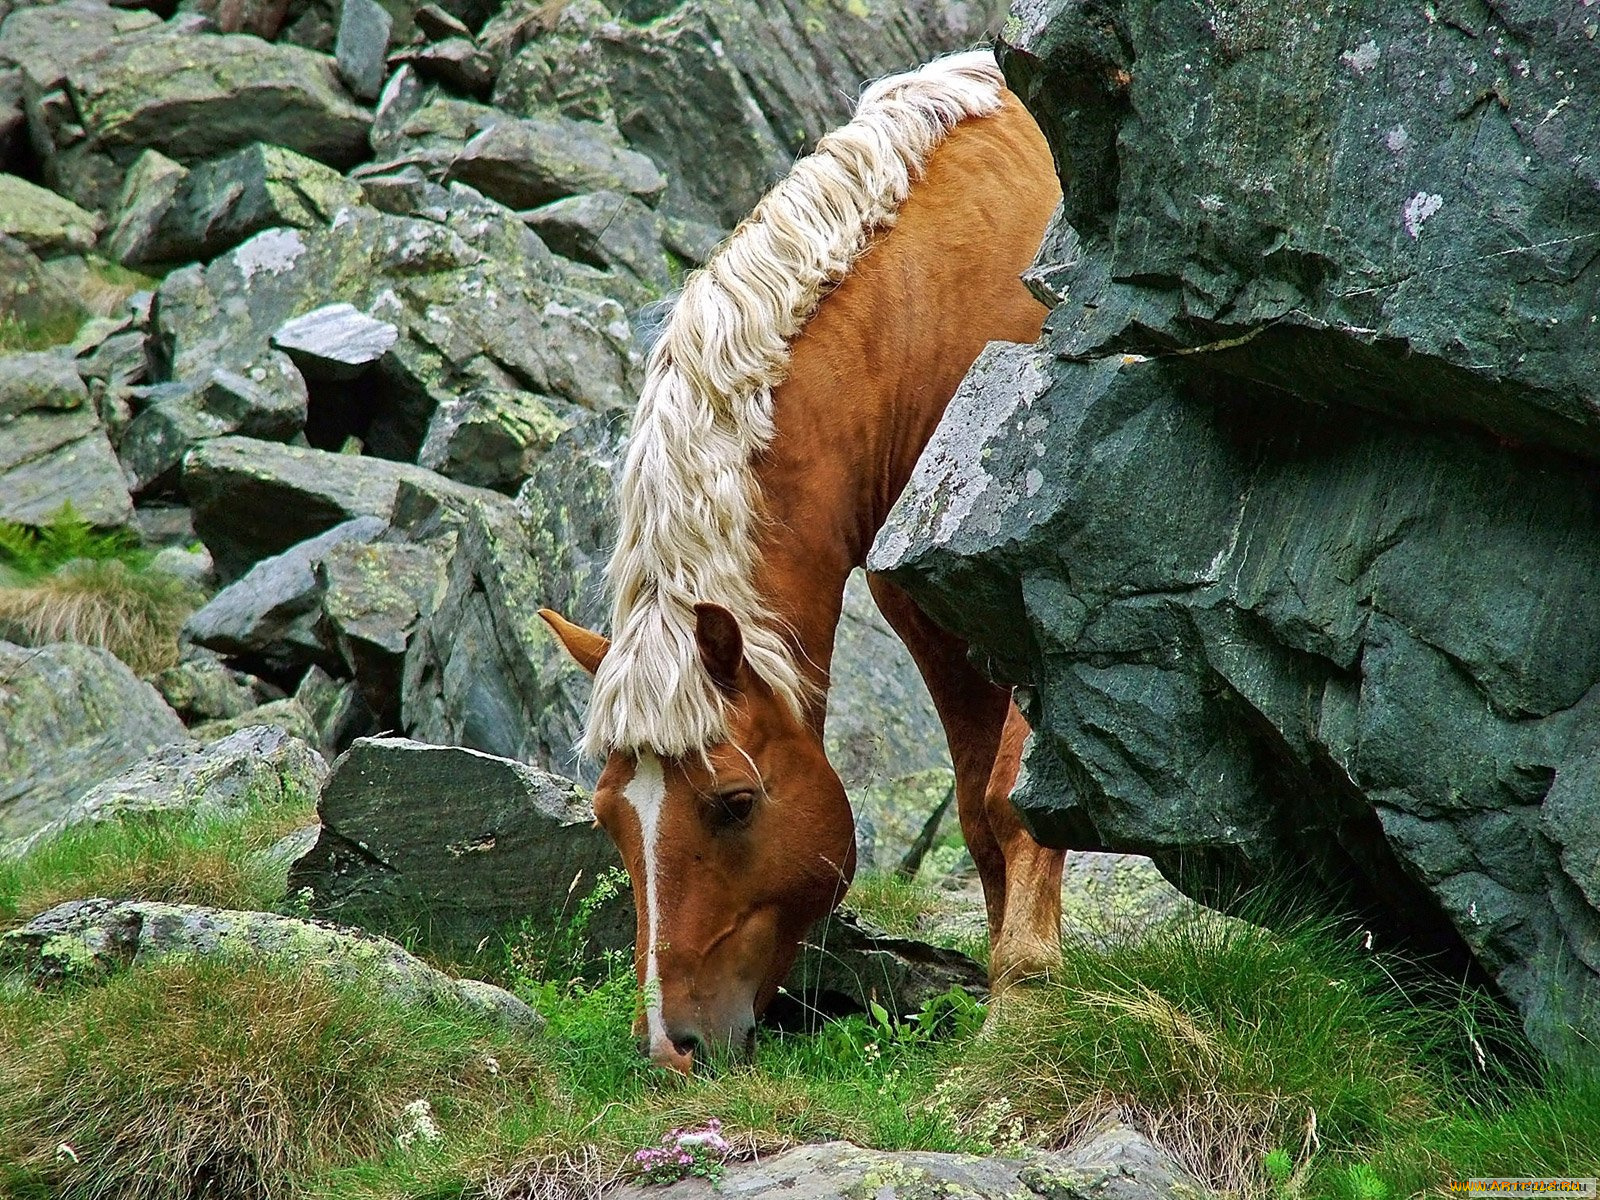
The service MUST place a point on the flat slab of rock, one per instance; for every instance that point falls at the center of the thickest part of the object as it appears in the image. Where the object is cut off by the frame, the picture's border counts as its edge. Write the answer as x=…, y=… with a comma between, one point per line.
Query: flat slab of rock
x=336, y=341
x=256, y=765
x=361, y=47
x=462, y=843
x=48, y=459
x=70, y=717
x=1117, y=1164
x=97, y=938
x=255, y=499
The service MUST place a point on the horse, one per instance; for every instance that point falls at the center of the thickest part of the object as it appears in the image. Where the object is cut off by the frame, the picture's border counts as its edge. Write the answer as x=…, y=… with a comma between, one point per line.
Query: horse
x=794, y=385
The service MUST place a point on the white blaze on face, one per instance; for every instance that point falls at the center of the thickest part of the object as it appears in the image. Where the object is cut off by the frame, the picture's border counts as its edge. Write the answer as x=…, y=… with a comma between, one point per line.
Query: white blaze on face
x=645, y=792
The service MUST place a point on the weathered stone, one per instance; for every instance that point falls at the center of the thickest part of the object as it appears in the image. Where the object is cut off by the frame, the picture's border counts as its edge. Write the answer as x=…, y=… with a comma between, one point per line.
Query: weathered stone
x=47, y=40
x=287, y=715
x=178, y=416
x=402, y=96
x=338, y=711
x=46, y=223
x=99, y=938
x=469, y=843
x=373, y=595
x=722, y=94
x=436, y=24
x=70, y=716
x=192, y=565
x=220, y=203
x=202, y=689
x=255, y=499
x=32, y=298
x=612, y=232
x=269, y=614
x=13, y=121
x=891, y=814
x=257, y=765
x=456, y=63
x=482, y=670
x=192, y=97
x=335, y=342
x=491, y=438
x=1115, y=1164
x=48, y=459
x=881, y=723
x=846, y=965
x=362, y=48
x=531, y=161
x=148, y=190
x=40, y=380
x=1312, y=594
x=470, y=288
x=264, y=18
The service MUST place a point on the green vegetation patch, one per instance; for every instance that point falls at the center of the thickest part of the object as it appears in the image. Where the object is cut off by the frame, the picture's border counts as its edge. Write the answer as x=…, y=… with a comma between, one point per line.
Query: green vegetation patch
x=179, y=856
x=231, y=1079
x=68, y=582
x=1279, y=1062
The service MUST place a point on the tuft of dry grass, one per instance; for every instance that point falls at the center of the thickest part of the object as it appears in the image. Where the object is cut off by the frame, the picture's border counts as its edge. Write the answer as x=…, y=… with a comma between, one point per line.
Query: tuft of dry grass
x=204, y=1078
x=1217, y=1040
x=102, y=602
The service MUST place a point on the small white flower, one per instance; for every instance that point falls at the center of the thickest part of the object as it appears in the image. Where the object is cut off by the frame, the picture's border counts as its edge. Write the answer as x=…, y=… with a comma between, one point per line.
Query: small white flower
x=64, y=1151
x=421, y=1125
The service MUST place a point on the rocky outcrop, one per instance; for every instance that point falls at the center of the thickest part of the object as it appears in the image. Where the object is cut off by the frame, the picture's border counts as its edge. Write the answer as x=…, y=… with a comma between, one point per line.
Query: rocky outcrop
x=70, y=716
x=1286, y=524
x=92, y=939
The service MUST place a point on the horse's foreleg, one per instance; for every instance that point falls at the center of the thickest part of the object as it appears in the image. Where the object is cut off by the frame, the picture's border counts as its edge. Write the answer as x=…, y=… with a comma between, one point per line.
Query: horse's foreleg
x=1021, y=879
x=1027, y=943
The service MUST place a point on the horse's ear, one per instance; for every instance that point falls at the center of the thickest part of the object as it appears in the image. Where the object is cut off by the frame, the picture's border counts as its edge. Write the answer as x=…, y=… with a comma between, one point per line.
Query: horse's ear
x=586, y=646
x=716, y=632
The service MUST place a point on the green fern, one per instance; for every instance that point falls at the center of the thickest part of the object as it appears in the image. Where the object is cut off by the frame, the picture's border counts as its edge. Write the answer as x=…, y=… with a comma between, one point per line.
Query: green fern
x=29, y=552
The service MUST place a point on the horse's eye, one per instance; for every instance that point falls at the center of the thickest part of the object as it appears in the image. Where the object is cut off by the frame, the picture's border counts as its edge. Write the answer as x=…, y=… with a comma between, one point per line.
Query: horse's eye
x=729, y=809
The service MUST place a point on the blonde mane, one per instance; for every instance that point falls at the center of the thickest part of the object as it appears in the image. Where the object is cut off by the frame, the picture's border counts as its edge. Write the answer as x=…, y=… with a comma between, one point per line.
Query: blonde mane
x=689, y=503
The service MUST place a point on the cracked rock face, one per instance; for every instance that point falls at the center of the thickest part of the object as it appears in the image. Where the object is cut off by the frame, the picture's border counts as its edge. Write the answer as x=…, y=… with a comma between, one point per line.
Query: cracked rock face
x=1287, y=522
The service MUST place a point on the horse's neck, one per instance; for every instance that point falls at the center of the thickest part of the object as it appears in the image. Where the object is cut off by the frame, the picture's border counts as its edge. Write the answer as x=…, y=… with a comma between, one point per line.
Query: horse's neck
x=874, y=368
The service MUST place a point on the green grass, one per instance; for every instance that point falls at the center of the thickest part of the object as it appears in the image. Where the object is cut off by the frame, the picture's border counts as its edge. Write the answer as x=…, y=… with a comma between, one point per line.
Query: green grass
x=18, y=335
x=175, y=856
x=903, y=907
x=1220, y=1039
x=68, y=582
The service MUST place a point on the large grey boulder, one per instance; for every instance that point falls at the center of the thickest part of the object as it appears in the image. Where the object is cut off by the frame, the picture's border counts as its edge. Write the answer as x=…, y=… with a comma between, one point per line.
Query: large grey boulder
x=482, y=669
x=34, y=297
x=492, y=437
x=89, y=939
x=527, y=162
x=464, y=844
x=191, y=96
x=258, y=765
x=70, y=717
x=50, y=457
x=1313, y=595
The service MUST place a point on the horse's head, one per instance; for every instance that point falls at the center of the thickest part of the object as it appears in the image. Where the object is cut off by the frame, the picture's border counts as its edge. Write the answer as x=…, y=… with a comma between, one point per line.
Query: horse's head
x=733, y=853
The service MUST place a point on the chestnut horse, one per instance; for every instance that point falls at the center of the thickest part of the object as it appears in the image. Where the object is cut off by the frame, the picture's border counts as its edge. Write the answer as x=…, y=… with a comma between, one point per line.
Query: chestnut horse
x=797, y=380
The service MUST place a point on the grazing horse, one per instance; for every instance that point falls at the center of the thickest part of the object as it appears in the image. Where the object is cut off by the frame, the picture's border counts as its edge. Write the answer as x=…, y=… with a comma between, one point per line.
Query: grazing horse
x=794, y=386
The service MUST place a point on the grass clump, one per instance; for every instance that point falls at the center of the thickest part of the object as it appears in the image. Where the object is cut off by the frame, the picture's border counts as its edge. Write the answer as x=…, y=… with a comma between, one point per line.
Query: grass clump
x=180, y=856
x=204, y=1078
x=68, y=582
x=895, y=904
x=1216, y=1038
x=57, y=330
